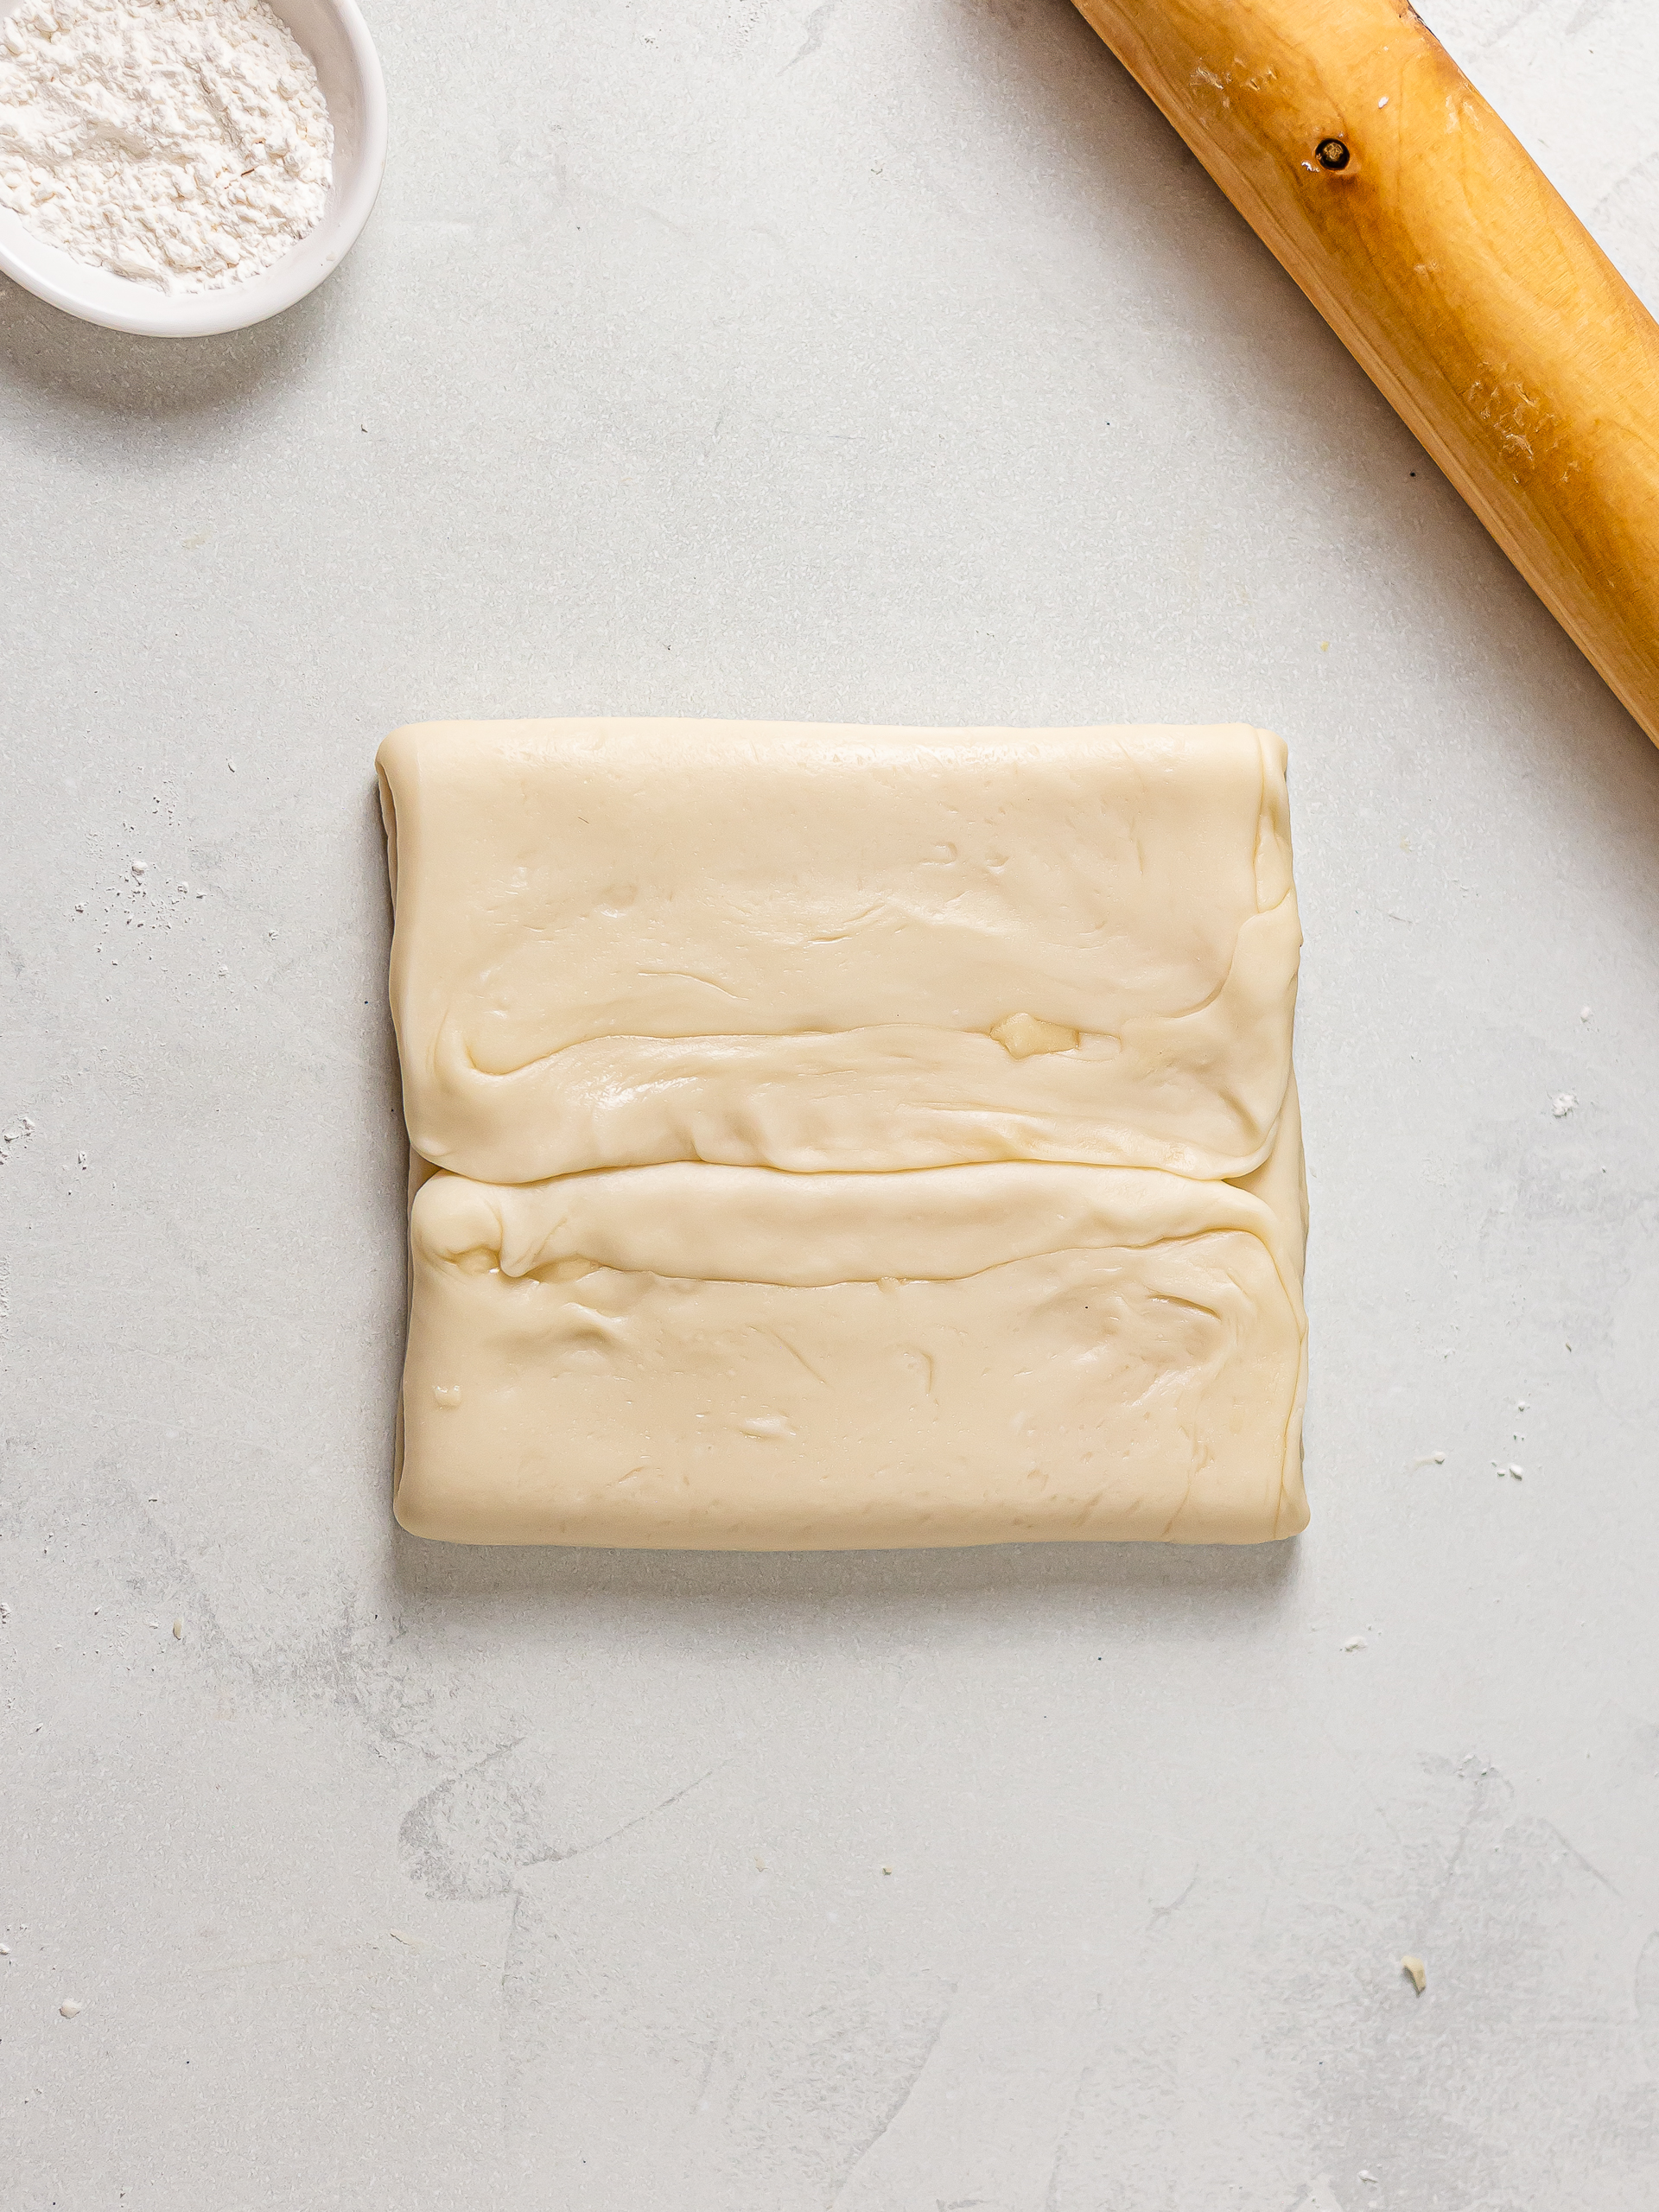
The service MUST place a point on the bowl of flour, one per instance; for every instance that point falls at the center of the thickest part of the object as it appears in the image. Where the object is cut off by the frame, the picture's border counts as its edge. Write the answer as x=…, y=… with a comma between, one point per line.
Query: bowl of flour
x=183, y=167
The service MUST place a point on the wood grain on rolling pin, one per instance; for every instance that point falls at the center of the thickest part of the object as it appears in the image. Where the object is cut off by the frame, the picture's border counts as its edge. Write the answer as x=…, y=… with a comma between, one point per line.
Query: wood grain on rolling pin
x=1452, y=270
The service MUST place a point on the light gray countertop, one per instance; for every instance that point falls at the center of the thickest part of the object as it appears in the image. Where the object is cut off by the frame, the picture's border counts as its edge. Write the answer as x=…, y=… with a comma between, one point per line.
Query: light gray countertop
x=883, y=360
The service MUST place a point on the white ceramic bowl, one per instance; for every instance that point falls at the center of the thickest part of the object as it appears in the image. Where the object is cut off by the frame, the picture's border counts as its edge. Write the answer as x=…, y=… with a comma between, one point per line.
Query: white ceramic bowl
x=335, y=36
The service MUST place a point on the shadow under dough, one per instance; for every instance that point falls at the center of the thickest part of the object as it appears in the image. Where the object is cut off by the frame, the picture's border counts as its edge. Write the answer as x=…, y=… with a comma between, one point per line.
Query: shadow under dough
x=1208, y=1578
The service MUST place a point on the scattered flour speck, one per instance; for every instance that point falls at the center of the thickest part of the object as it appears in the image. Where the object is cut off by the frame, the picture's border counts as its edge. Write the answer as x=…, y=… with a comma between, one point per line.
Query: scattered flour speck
x=184, y=143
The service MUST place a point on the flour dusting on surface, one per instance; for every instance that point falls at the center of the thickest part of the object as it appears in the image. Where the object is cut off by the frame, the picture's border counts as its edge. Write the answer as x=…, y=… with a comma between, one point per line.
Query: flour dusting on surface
x=184, y=143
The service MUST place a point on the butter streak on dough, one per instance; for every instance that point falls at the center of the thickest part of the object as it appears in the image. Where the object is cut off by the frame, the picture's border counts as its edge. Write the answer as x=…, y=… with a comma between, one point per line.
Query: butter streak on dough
x=854, y=1137
x=712, y=1357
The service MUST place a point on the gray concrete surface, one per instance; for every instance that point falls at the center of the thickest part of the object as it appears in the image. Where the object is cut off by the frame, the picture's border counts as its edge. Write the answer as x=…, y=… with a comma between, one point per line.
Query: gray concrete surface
x=884, y=360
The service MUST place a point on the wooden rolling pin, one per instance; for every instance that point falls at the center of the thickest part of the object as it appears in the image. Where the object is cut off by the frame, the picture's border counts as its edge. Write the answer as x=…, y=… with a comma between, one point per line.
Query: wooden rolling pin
x=1452, y=270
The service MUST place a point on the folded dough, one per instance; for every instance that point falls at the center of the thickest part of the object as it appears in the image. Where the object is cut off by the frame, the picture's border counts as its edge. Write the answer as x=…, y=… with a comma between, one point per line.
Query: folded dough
x=854, y=1137
x=821, y=948
x=711, y=1358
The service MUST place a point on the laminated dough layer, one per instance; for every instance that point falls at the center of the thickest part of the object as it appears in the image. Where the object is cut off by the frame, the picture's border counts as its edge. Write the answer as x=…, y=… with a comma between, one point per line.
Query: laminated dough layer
x=822, y=948
x=718, y=1357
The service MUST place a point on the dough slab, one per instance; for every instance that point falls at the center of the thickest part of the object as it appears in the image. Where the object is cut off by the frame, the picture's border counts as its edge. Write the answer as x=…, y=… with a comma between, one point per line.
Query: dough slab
x=817, y=948
x=718, y=1357
x=850, y=1137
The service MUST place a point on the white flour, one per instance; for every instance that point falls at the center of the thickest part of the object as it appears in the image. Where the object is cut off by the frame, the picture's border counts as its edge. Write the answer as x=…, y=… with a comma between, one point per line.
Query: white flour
x=184, y=142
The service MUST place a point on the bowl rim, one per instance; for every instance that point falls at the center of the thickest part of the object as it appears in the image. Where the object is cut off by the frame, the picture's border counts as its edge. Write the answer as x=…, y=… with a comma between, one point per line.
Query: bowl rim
x=49, y=272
